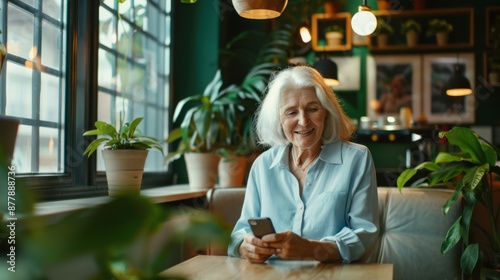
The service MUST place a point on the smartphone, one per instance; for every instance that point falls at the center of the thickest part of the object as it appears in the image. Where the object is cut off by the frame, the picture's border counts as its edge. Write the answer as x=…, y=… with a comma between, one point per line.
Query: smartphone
x=261, y=226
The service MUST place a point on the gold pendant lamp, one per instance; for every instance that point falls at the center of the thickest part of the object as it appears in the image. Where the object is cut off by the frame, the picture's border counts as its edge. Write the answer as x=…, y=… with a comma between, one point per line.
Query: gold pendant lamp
x=259, y=9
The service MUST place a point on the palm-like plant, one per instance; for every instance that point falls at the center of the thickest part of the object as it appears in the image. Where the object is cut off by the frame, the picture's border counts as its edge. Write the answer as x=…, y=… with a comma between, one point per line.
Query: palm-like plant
x=473, y=168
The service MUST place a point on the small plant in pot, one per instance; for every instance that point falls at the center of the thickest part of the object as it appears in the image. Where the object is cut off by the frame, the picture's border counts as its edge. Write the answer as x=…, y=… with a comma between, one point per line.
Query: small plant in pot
x=411, y=29
x=334, y=35
x=383, y=31
x=125, y=151
x=471, y=174
x=494, y=56
x=439, y=28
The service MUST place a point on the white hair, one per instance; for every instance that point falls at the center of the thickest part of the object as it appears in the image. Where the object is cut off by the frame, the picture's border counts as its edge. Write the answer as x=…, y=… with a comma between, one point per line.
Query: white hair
x=268, y=127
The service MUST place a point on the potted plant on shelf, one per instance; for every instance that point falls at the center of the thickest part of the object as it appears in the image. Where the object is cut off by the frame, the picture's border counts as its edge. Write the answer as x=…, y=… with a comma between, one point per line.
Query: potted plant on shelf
x=439, y=28
x=471, y=173
x=411, y=29
x=124, y=154
x=383, y=31
x=334, y=35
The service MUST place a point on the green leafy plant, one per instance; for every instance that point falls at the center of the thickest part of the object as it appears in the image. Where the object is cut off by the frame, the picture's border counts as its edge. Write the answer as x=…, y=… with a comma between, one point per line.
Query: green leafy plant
x=470, y=173
x=383, y=27
x=126, y=137
x=438, y=25
x=334, y=28
x=203, y=127
x=411, y=25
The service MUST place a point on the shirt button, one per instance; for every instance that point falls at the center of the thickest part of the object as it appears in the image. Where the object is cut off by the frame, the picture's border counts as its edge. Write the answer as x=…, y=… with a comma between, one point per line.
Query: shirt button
x=300, y=207
x=309, y=183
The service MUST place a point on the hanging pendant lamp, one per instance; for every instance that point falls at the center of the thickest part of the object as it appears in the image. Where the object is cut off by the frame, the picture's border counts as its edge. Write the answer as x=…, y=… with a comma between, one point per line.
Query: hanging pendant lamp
x=364, y=21
x=458, y=84
x=259, y=9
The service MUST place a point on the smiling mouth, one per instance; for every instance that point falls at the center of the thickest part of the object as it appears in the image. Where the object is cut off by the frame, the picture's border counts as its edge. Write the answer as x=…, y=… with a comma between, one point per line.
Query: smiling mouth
x=304, y=132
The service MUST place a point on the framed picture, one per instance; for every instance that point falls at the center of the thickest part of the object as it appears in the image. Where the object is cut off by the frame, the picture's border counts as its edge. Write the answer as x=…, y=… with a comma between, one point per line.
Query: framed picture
x=393, y=82
x=439, y=107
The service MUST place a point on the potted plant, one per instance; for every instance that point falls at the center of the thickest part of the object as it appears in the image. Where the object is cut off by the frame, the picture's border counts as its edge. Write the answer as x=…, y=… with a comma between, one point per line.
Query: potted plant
x=411, y=28
x=202, y=131
x=124, y=154
x=439, y=28
x=334, y=35
x=383, y=31
x=470, y=173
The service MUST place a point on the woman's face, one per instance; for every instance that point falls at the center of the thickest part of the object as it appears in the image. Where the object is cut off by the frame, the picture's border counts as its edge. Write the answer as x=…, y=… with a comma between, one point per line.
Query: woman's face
x=302, y=117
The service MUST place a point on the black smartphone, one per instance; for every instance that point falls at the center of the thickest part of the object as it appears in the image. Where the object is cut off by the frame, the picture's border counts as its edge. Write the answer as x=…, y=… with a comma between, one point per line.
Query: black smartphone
x=261, y=226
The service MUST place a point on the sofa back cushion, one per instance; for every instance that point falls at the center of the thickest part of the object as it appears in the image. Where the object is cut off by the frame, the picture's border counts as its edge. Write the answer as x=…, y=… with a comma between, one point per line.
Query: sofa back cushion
x=412, y=229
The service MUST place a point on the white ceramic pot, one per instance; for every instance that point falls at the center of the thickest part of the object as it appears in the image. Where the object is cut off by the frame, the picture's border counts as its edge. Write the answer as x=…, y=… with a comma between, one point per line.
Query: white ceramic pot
x=202, y=169
x=232, y=171
x=334, y=38
x=124, y=169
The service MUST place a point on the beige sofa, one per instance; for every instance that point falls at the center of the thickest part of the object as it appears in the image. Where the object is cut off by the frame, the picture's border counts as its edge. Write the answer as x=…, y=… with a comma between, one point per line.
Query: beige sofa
x=411, y=232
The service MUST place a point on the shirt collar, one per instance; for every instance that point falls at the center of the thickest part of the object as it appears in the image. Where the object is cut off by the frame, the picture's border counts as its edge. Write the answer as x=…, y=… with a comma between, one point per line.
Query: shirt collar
x=331, y=153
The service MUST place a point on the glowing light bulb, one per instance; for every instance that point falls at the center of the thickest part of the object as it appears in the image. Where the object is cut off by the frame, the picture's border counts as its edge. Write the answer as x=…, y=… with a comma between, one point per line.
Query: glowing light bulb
x=305, y=35
x=364, y=22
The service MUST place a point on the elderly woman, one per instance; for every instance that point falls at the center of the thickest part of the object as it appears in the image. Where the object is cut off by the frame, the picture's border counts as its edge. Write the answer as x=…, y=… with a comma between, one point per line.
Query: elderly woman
x=318, y=188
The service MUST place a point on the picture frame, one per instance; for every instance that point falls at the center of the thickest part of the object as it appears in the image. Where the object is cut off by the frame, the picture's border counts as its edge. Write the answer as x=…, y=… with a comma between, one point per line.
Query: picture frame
x=383, y=70
x=438, y=107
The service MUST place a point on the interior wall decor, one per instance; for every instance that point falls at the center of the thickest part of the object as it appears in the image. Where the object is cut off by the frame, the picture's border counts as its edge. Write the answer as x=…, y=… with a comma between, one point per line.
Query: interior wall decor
x=439, y=107
x=388, y=76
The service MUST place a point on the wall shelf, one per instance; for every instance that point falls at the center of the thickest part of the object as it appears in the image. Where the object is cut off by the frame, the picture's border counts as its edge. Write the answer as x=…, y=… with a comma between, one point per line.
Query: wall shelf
x=320, y=22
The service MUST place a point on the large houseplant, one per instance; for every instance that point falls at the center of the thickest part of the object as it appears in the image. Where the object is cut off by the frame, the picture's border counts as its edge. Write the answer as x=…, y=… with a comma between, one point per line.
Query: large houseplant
x=470, y=173
x=124, y=154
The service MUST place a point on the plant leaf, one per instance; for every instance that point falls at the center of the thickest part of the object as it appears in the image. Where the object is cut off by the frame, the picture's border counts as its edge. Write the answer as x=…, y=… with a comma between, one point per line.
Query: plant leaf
x=452, y=236
x=469, y=259
x=467, y=141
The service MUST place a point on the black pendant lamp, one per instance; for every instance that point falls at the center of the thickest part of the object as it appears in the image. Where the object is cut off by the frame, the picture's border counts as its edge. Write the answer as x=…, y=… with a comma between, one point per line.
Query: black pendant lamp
x=458, y=84
x=328, y=69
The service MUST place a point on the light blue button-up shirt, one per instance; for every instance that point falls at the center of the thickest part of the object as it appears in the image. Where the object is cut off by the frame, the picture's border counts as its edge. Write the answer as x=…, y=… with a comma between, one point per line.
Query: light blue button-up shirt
x=338, y=203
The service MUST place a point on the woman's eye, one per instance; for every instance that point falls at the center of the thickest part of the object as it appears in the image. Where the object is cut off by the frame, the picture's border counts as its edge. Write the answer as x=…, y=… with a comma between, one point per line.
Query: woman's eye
x=312, y=109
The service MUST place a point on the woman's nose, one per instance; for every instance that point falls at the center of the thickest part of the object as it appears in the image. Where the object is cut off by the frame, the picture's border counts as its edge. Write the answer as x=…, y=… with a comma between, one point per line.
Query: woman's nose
x=303, y=118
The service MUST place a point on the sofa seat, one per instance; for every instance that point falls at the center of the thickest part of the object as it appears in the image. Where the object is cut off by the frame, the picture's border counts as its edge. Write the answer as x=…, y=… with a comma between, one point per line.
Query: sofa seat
x=412, y=229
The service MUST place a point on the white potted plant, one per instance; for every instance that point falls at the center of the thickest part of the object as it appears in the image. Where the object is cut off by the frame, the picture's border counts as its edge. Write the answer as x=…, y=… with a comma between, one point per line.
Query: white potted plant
x=439, y=28
x=125, y=151
x=411, y=29
x=383, y=31
x=334, y=35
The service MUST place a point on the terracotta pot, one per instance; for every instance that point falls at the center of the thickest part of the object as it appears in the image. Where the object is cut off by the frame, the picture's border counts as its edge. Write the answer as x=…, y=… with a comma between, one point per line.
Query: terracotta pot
x=202, y=169
x=124, y=169
x=419, y=4
x=334, y=38
x=382, y=40
x=412, y=38
x=232, y=171
x=331, y=7
x=442, y=38
x=383, y=5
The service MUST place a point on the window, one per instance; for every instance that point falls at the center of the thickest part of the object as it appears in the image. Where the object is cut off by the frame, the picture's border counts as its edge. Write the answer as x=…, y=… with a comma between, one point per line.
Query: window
x=40, y=81
x=134, y=68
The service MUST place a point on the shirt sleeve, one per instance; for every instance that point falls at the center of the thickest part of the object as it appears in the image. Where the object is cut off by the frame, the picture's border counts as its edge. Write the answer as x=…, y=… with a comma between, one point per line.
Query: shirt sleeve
x=251, y=208
x=362, y=215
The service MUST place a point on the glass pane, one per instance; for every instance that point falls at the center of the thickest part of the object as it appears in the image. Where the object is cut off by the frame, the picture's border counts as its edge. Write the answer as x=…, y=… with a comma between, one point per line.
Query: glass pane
x=29, y=2
x=52, y=8
x=20, y=35
x=106, y=74
x=49, y=150
x=22, y=151
x=104, y=107
x=49, y=98
x=167, y=31
x=107, y=31
x=19, y=88
x=51, y=42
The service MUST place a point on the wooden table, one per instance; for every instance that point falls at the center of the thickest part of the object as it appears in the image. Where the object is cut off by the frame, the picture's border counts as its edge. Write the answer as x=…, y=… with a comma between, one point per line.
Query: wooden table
x=222, y=267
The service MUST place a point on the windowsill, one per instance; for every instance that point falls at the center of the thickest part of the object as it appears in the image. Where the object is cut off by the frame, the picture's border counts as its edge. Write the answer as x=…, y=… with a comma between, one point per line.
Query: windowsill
x=158, y=195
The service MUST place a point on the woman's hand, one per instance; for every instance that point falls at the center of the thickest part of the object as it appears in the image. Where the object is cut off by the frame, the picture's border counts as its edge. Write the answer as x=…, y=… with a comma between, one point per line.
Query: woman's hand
x=254, y=249
x=289, y=245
